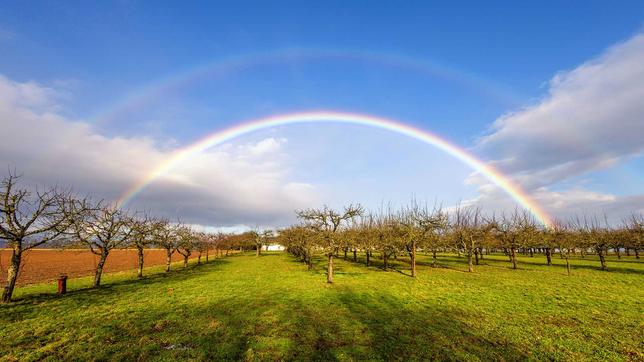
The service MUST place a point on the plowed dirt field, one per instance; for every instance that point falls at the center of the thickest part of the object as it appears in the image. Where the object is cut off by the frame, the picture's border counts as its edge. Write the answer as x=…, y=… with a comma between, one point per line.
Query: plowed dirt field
x=40, y=265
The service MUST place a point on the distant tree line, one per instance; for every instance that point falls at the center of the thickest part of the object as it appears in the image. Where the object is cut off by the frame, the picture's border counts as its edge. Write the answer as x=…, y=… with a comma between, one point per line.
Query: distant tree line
x=56, y=217
x=464, y=230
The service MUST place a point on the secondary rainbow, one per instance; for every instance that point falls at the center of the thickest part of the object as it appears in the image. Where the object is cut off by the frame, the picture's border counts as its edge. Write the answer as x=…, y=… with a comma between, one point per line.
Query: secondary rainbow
x=139, y=97
x=219, y=137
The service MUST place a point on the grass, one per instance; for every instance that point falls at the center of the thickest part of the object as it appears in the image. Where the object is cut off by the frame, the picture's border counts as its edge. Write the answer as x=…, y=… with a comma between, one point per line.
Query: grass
x=271, y=308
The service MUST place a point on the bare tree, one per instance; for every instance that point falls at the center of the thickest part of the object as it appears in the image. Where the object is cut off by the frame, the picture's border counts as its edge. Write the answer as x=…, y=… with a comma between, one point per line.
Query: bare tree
x=185, y=244
x=387, y=240
x=102, y=228
x=141, y=238
x=406, y=231
x=217, y=241
x=367, y=236
x=528, y=232
x=506, y=230
x=260, y=239
x=597, y=237
x=299, y=241
x=328, y=222
x=561, y=236
x=256, y=237
x=267, y=237
x=469, y=230
x=634, y=226
x=165, y=237
x=28, y=220
x=202, y=243
x=432, y=224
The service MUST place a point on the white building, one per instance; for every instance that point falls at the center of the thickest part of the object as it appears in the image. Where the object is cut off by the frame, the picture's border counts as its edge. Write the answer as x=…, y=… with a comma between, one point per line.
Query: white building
x=274, y=247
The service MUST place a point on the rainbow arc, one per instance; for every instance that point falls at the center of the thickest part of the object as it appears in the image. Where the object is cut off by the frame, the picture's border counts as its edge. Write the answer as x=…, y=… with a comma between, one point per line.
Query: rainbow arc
x=225, y=135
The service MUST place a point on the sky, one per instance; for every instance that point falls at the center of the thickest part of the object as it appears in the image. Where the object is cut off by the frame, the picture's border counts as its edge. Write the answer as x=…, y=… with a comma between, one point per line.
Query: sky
x=95, y=95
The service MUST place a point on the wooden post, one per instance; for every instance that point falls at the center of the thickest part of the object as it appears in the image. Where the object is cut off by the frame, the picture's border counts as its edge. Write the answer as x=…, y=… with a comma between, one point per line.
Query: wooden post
x=62, y=284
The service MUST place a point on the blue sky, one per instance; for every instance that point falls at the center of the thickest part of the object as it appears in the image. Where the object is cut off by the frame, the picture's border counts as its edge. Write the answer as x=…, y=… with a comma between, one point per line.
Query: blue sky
x=126, y=71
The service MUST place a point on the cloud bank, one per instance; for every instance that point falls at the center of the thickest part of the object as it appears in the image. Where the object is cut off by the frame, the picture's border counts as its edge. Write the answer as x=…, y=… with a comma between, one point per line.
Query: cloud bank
x=592, y=118
x=235, y=184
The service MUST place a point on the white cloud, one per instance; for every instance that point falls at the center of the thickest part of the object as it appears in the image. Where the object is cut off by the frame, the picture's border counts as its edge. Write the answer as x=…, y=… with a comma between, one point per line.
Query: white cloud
x=28, y=94
x=227, y=186
x=567, y=204
x=591, y=118
x=232, y=229
x=267, y=145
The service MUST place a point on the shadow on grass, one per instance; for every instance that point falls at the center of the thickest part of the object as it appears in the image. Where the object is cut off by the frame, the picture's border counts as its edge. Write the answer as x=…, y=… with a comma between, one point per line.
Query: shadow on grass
x=425, y=333
x=345, y=326
x=526, y=263
x=612, y=268
x=400, y=265
x=459, y=264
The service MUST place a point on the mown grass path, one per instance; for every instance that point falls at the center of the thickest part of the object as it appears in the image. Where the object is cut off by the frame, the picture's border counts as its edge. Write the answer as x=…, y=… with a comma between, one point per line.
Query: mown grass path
x=271, y=308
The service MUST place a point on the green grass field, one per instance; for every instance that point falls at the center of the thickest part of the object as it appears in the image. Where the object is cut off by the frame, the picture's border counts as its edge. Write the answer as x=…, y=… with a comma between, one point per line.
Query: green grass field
x=271, y=308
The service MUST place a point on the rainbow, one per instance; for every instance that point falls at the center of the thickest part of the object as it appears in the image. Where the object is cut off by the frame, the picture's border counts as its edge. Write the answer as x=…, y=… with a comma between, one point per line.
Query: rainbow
x=219, y=137
x=142, y=96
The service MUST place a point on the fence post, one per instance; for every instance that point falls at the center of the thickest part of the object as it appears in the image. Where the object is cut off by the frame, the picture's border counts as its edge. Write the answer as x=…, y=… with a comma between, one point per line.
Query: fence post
x=62, y=284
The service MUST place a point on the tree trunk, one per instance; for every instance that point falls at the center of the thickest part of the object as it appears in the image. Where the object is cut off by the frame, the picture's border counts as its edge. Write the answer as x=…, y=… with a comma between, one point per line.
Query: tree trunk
x=476, y=256
x=531, y=252
x=470, y=267
x=168, y=260
x=99, y=268
x=258, y=249
x=368, y=255
x=12, y=275
x=345, y=253
x=139, y=272
x=637, y=253
x=329, y=270
x=199, y=259
x=602, y=258
x=434, y=258
x=185, y=260
x=549, y=256
x=207, y=255
x=513, y=256
x=355, y=255
x=480, y=254
x=567, y=265
x=619, y=255
x=413, y=259
x=384, y=259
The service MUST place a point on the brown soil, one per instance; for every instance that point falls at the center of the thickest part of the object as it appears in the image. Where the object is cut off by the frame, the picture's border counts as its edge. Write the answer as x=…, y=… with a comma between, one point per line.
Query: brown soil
x=41, y=265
